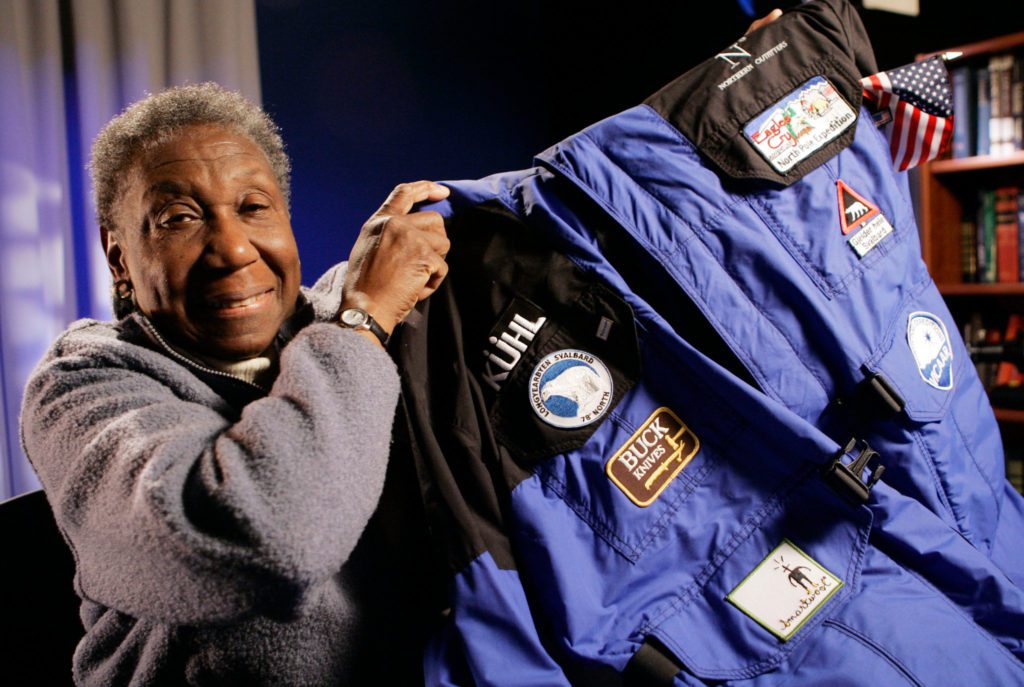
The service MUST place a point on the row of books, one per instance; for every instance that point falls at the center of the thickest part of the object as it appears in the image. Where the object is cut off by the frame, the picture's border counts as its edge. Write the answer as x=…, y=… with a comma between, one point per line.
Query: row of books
x=988, y=106
x=991, y=241
x=997, y=348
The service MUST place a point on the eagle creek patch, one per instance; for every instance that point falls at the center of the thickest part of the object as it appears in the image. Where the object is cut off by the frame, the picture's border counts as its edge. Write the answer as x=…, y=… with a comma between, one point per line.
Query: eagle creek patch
x=785, y=590
x=929, y=342
x=570, y=388
x=509, y=339
x=651, y=458
x=802, y=122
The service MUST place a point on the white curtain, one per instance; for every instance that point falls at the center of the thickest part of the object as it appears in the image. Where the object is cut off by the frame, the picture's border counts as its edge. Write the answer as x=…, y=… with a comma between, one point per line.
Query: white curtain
x=67, y=67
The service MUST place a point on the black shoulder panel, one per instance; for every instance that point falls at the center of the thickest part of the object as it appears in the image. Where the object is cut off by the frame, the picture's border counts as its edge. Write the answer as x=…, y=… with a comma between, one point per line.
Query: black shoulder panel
x=467, y=355
x=818, y=47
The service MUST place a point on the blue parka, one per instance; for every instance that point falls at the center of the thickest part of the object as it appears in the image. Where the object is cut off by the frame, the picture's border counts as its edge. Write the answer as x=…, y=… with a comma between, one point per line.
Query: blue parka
x=690, y=410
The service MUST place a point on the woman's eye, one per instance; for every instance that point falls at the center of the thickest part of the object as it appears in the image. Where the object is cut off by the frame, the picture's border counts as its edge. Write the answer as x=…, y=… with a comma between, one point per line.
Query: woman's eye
x=254, y=206
x=177, y=217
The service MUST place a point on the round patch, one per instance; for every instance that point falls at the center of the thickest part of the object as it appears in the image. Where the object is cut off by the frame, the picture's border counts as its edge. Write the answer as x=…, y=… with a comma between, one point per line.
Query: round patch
x=932, y=351
x=570, y=388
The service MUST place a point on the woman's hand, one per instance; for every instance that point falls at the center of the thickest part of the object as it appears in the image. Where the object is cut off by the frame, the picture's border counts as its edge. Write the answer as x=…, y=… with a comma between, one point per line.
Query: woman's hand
x=398, y=258
x=766, y=19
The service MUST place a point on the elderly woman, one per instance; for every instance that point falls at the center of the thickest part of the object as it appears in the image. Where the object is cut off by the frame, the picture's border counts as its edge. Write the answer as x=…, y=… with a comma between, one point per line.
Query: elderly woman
x=214, y=456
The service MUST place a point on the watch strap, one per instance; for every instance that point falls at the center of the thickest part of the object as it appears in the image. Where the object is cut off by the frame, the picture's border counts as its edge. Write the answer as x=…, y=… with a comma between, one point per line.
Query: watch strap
x=377, y=330
x=367, y=323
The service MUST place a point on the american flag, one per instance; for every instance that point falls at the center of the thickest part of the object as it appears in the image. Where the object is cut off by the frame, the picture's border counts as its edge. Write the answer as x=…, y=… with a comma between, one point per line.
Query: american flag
x=918, y=96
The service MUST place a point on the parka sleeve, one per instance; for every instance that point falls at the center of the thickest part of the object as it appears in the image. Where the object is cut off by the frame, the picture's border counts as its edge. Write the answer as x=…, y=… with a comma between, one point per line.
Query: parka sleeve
x=179, y=510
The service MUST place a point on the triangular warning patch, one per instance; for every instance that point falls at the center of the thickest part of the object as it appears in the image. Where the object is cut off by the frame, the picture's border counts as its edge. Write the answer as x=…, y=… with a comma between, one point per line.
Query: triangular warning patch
x=854, y=209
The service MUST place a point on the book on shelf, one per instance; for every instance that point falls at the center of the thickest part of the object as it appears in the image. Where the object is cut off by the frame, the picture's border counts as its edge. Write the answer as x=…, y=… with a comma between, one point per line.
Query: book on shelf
x=986, y=239
x=1017, y=101
x=964, y=112
x=997, y=352
x=968, y=251
x=988, y=105
x=992, y=237
x=1007, y=373
x=1020, y=231
x=1007, y=235
x=1000, y=124
x=978, y=333
x=983, y=112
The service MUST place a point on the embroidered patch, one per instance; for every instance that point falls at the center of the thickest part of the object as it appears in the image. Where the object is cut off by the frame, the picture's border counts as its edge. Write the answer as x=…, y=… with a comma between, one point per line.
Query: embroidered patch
x=929, y=342
x=785, y=590
x=857, y=213
x=854, y=209
x=509, y=338
x=651, y=458
x=570, y=388
x=800, y=123
x=871, y=235
x=881, y=117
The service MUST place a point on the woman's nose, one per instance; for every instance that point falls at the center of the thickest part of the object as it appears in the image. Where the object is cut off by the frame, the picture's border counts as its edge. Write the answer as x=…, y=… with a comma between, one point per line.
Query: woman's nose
x=229, y=246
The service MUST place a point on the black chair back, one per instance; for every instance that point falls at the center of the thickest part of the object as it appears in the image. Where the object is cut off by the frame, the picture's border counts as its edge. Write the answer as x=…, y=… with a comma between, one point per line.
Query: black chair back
x=38, y=605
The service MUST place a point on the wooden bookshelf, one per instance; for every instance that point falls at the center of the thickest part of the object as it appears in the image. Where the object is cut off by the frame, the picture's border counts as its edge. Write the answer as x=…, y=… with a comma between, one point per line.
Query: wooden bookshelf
x=1008, y=416
x=981, y=290
x=948, y=187
x=988, y=47
x=978, y=162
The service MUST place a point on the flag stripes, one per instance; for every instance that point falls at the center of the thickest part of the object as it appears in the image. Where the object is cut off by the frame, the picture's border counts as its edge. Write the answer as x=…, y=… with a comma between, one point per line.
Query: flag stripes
x=918, y=96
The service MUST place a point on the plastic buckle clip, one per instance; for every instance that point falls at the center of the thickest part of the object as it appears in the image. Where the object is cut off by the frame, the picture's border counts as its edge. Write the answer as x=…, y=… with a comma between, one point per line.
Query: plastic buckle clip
x=874, y=399
x=892, y=402
x=846, y=479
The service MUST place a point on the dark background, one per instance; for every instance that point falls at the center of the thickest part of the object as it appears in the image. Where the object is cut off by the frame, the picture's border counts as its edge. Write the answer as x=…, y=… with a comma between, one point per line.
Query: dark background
x=373, y=94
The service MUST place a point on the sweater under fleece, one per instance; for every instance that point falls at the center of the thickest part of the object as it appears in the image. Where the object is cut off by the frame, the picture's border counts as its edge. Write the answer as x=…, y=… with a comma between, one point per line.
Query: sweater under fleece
x=221, y=531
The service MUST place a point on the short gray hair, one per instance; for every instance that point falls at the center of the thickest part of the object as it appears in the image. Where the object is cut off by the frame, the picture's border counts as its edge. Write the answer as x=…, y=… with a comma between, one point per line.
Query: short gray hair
x=158, y=117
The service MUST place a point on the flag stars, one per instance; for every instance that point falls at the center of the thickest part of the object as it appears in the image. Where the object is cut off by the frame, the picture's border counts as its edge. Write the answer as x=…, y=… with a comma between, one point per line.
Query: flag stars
x=919, y=97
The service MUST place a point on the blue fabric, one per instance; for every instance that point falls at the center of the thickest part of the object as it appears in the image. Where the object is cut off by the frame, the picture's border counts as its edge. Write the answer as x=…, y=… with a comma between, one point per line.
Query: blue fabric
x=931, y=566
x=492, y=616
x=669, y=203
x=806, y=315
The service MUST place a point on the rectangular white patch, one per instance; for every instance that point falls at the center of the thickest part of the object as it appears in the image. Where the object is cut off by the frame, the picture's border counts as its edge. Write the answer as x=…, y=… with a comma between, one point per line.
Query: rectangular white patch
x=870, y=235
x=800, y=123
x=784, y=590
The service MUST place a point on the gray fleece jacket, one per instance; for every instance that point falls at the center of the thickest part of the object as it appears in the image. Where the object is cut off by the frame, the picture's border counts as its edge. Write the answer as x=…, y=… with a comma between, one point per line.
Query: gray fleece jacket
x=217, y=527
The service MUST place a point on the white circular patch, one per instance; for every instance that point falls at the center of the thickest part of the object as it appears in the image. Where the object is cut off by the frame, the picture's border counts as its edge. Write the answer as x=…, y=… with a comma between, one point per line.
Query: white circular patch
x=570, y=388
x=932, y=351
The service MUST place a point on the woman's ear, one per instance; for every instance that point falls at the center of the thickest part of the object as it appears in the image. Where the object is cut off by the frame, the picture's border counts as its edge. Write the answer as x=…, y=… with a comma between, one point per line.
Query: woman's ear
x=115, y=256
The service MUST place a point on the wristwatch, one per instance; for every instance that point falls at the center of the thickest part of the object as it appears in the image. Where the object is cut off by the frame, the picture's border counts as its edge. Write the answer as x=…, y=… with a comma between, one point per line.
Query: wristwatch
x=357, y=318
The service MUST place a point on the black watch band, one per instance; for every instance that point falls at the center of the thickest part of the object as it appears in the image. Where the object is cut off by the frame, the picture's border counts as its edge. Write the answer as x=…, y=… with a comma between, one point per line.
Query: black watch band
x=357, y=318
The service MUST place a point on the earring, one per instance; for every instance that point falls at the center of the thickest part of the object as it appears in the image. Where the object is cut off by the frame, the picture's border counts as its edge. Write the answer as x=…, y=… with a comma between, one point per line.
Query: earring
x=123, y=289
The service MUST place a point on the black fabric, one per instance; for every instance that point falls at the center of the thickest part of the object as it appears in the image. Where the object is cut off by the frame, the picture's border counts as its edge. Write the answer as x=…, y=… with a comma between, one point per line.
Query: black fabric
x=825, y=38
x=444, y=413
x=502, y=259
x=394, y=554
x=473, y=444
x=651, y=666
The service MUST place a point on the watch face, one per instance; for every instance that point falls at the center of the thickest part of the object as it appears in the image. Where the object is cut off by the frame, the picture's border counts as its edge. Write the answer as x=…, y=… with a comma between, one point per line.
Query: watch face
x=353, y=317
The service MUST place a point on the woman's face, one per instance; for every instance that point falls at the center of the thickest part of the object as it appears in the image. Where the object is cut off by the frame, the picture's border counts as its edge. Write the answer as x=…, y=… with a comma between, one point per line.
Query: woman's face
x=203, y=234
